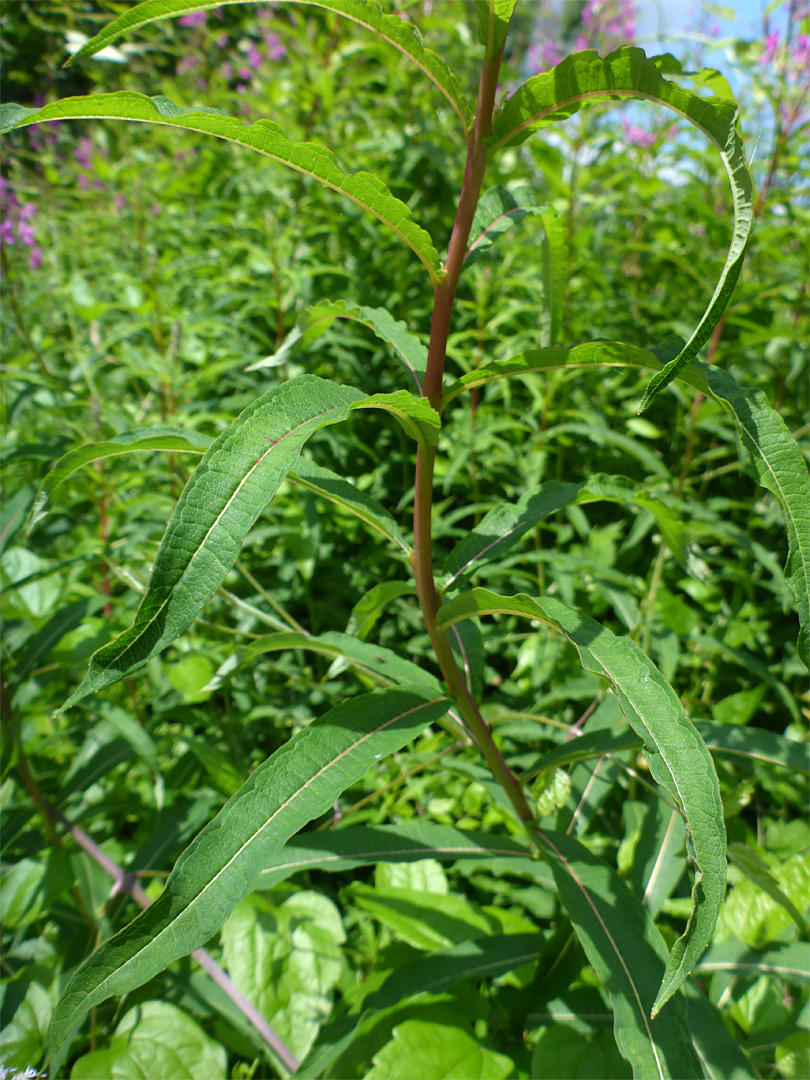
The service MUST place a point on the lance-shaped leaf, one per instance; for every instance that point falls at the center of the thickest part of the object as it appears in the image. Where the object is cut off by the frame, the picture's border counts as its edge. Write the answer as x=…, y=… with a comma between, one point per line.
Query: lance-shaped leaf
x=628, y=953
x=498, y=210
x=125, y=443
x=233, y=483
x=369, y=607
x=415, y=414
x=493, y=22
x=780, y=467
x=484, y=958
x=677, y=756
x=362, y=845
x=585, y=78
x=789, y=961
x=756, y=745
x=298, y=783
x=366, y=13
x=316, y=319
x=264, y=136
x=718, y=1050
x=331, y=486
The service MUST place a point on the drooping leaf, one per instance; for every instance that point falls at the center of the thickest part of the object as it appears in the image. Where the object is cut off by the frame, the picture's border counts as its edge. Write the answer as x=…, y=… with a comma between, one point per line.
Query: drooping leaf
x=369, y=607
x=585, y=78
x=298, y=783
x=233, y=483
x=498, y=210
x=628, y=953
x=482, y=958
x=317, y=318
x=331, y=486
x=417, y=417
x=264, y=136
x=360, y=845
x=781, y=468
x=125, y=443
x=677, y=756
x=366, y=13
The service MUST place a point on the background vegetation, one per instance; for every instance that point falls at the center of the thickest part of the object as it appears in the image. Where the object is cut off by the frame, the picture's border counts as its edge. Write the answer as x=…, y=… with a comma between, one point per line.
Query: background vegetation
x=151, y=279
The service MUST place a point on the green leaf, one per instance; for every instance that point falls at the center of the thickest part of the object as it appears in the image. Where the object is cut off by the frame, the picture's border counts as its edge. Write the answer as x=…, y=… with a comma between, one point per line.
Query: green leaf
x=628, y=953
x=369, y=607
x=366, y=13
x=585, y=79
x=264, y=136
x=498, y=210
x=317, y=318
x=756, y=744
x=233, y=483
x=330, y=486
x=440, y=1051
x=125, y=443
x=781, y=468
x=298, y=783
x=717, y=1049
x=359, y=845
x=418, y=418
x=677, y=756
x=155, y=1039
x=493, y=23
x=482, y=958
x=787, y=961
x=754, y=867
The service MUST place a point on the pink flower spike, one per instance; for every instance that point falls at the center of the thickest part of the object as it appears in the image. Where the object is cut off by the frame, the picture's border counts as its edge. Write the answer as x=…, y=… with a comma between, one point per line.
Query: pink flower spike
x=222, y=41
x=26, y=234
x=771, y=44
x=635, y=135
x=581, y=43
x=7, y=231
x=28, y=211
x=245, y=73
x=194, y=18
x=254, y=57
x=119, y=202
x=35, y=258
x=241, y=88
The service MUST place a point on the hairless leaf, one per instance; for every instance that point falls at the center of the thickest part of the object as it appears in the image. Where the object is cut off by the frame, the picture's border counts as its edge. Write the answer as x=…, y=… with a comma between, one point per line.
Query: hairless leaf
x=585, y=79
x=125, y=443
x=415, y=414
x=493, y=22
x=233, y=483
x=789, y=961
x=366, y=13
x=498, y=210
x=298, y=783
x=263, y=136
x=628, y=953
x=677, y=755
x=314, y=320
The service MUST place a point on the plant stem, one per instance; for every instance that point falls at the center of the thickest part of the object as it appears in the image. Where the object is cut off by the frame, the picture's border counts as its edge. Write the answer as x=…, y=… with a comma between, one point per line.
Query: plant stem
x=443, y=297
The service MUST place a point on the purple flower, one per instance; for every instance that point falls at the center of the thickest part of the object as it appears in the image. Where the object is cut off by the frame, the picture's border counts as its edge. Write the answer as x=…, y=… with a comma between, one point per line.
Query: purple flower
x=28, y=211
x=635, y=135
x=119, y=202
x=545, y=55
x=581, y=43
x=254, y=57
x=222, y=41
x=801, y=50
x=84, y=182
x=275, y=49
x=226, y=71
x=771, y=45
x=187, y=63
x=35, y=258
x=245, y=73
x=83, y=152
x=241, y=88
x=26, y=233
x=194, y=18
x=7, y=231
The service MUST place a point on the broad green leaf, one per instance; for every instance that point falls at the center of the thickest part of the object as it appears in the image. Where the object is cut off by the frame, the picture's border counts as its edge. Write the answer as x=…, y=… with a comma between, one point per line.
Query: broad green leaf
x=233, y=483
x=483, y=958
x=125, y=443
x=441, y=1051
x=781, y=468
x=748, y=860
x=331, y=486
x=317, y=318
x=155, y=1039
x=360, y=845
x=756, y=744
x=629, y=955
x=719, y=1052
x=787, y=961
x=498, y=210
x=418, y=418
x=369, y=607
x=26, y=1013
x=585, y=78
x=264, y=136
x=493, y=23
x=365, y=13
x=298, y=783
x=677, y=756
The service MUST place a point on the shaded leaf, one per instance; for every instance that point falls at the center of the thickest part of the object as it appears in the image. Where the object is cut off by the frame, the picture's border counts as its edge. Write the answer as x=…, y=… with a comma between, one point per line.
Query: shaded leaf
x=498, y=210
x=263, y=136
x=417, y=417
x=298, y=783
x=677, y=756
